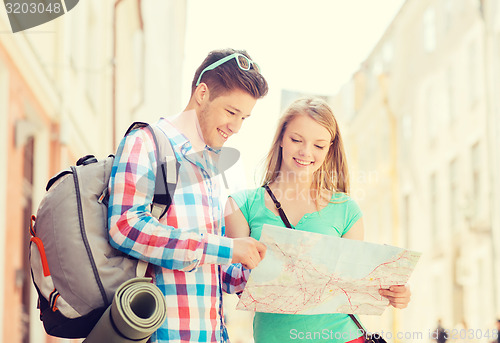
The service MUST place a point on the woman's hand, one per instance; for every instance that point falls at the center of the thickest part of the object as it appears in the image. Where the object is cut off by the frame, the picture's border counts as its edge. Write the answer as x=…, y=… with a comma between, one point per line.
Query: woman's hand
x=398, y=296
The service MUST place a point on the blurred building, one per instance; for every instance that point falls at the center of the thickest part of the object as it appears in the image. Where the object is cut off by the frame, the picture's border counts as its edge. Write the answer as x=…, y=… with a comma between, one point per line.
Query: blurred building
x=68, y=88
x=422, y=121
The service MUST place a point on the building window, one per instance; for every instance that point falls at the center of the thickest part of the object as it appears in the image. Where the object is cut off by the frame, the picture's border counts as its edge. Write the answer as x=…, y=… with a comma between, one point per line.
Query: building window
x=347, y=96
x=406, y=123
x=448, y=15
x=475, y=196
x=4, y=91
x=407, y=134
x=433, y=210
x=432, y=115
x=78, y=40
x=450, y=93
x=472, y=71
x=387, y=55
x=93, y=71
x=405, y=239
x=429, y=30
x=138, y=46
x=454, y=195
x=24, y=272
x=495, y=11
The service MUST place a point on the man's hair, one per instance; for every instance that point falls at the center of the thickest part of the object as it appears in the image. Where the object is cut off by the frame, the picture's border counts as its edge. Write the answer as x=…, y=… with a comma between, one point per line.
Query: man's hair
x=228, y=76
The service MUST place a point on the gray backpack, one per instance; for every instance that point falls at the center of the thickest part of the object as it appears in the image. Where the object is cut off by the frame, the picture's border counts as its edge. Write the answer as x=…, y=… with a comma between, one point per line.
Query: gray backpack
x=74, y=268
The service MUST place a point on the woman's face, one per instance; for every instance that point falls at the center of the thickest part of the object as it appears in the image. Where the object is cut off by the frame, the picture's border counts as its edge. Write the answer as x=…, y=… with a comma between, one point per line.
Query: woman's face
x=304, y=145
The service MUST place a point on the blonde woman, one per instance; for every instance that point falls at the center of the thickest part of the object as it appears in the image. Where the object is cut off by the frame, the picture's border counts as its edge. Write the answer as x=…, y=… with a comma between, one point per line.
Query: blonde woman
x=307, y=173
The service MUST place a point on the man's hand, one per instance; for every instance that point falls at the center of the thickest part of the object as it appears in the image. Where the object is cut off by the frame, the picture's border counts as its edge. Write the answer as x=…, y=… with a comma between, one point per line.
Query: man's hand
x=398, y=296
x=248, y=251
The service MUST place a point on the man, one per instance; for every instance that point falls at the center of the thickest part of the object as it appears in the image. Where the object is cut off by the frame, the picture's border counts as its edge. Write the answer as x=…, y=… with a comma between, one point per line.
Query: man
x=186, y=248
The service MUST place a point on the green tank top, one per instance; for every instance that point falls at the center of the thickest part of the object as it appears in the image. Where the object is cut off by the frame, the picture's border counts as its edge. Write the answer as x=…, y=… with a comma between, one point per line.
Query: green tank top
x=334, y=220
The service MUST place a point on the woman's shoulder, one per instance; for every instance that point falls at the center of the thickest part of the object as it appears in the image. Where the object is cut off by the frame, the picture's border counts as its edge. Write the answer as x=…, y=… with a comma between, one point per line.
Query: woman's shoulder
x=340, y=199
x=250, y=192
x=247, y=195
x=345, y=210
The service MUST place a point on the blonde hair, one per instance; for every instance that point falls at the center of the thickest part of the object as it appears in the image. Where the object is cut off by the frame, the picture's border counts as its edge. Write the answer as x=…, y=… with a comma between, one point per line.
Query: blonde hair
x=333, y=174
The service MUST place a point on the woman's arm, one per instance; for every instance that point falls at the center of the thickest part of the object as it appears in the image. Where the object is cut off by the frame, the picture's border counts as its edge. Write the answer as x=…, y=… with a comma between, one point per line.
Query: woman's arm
x=236, y=223
x=357, y=231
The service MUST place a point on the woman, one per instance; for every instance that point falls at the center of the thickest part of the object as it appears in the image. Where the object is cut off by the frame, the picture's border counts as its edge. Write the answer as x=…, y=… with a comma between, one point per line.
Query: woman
x=307, y=173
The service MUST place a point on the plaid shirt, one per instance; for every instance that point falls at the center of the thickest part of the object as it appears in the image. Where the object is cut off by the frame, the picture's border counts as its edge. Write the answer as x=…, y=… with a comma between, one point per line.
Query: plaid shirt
x=186, y=249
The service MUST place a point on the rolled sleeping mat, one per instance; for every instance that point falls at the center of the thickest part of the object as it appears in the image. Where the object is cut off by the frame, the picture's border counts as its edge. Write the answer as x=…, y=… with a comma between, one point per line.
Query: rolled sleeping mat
x=138, y=309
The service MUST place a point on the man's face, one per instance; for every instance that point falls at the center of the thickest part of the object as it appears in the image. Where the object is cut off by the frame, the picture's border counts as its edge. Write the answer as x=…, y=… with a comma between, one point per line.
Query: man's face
x=222, y=117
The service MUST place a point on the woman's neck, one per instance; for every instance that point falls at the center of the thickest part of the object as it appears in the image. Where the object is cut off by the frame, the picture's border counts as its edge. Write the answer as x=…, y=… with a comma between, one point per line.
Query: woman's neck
x=292, y=189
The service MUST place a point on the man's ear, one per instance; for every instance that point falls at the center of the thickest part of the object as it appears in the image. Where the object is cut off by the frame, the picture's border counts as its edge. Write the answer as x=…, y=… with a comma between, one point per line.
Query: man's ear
x=201, y=93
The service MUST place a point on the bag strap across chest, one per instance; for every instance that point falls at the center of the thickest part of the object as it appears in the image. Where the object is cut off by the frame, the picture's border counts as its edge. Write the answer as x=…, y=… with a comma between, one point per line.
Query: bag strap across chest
x=278, y=207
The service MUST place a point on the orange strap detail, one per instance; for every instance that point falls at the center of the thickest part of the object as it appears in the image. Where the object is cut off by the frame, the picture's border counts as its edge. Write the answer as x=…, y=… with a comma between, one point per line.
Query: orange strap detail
x=41, y=249
x=32, y=228
x=54, y=308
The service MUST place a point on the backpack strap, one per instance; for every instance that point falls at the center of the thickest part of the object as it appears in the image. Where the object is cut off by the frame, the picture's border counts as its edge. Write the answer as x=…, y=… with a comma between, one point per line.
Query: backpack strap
x=141, y=268
x=167, y=174
x=167, y=169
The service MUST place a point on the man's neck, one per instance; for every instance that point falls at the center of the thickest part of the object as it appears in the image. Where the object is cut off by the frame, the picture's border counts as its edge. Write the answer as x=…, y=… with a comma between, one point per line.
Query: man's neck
x=187, y=123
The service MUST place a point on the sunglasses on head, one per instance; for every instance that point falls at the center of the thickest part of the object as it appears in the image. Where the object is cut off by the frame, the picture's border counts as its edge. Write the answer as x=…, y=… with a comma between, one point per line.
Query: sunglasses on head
x=244, y=63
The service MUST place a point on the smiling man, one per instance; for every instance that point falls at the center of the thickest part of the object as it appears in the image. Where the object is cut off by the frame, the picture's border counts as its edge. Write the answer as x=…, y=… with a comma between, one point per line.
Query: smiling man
x=187, y=251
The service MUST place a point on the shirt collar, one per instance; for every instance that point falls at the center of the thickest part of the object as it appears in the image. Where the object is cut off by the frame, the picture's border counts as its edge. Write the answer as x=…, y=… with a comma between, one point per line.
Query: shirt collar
x=184, y=139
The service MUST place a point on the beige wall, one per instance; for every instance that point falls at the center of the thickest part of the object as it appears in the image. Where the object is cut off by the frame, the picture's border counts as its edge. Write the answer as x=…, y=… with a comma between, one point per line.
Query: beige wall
x=149, y=67
x=57, y=78
x=4, y=80
x=422, y=100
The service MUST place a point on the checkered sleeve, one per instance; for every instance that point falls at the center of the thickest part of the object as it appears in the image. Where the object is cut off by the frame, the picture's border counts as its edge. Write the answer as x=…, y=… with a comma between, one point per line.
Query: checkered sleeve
x=132, y=228
x=234, y=277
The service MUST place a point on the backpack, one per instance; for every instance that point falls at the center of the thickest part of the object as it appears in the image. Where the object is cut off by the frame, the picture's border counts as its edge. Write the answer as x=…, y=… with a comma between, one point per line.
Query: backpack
x=74, y=268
